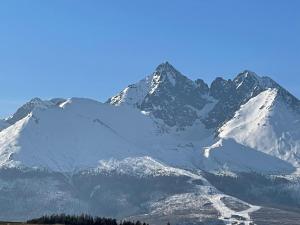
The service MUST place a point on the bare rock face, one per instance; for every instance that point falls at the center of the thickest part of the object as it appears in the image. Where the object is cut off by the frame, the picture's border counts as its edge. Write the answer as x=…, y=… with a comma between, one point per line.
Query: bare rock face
x=167, y=95
x=177, y=101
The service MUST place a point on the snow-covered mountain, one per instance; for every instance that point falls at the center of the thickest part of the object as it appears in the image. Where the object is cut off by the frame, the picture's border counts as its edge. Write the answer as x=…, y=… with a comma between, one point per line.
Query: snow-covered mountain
x=165, y=116
x=178, y=101
x=135, y=188
x=252, y=110
x=32, y=105
x=267, y=123
x=73, y=135
x=77, y=133
x=168, y=95
x=164, y=126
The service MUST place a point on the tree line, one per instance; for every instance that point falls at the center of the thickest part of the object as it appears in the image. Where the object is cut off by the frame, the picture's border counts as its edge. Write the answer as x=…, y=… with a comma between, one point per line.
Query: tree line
x=80, y=220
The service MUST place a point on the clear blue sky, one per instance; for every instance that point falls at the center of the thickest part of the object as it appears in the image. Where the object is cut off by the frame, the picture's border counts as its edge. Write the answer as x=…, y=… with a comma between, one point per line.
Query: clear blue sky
x=65, y=48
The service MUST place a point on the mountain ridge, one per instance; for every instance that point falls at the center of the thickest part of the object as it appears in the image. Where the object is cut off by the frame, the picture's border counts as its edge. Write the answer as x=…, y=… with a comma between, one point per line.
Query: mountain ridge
x=166, y=109
x=157, y=151
x=228, y=95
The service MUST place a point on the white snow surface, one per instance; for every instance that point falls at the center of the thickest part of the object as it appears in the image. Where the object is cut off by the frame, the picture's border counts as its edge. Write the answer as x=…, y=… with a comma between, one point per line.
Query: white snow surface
x=267, y=124
x=141, y=167
x=203, y=194
x=227, y=213
x=134, y=94
x=232, y=156
x=77, y=133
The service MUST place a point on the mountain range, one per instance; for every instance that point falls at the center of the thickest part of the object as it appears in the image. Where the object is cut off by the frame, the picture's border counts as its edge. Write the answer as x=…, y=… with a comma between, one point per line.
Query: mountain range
x=165, y=149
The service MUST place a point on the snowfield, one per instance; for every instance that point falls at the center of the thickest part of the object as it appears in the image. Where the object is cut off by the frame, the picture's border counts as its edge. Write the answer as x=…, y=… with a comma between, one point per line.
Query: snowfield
x=75, y=135
x=267, y=124
x=149, y=151
x=232, y=156
x=79, y=133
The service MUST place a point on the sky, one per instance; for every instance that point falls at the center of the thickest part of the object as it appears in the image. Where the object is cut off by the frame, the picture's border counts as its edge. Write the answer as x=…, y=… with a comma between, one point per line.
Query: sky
x=94, y=49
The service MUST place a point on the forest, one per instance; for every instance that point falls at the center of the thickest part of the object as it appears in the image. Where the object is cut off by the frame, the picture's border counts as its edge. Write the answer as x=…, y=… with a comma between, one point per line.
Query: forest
x=82, y=219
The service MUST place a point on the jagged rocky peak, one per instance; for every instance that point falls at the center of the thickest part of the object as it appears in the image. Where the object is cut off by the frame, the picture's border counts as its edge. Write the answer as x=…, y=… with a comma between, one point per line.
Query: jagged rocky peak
x=202, y=86
x=251, y=83
x=166, y=70
x=248, y=83
x=248, y=79
x=170, y=96
x=220, y=88
x=166, y=94
x=233, y=93
x=244, y=84
x=247, y=75
x=166, y=67
x=166, y=75
x=174, y=98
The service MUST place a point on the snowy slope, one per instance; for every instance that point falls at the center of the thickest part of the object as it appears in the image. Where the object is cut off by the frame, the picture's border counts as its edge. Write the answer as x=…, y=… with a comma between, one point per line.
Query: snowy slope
x=141, y=167
x=79, y=133
x=134, y=94
x=202, y=202
x=146, y=152
x=268, y=124
x=76, y=134
x=35, y=103
x=199, y=204
x=227, y=155
x=165, y=116
x=134, y=187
